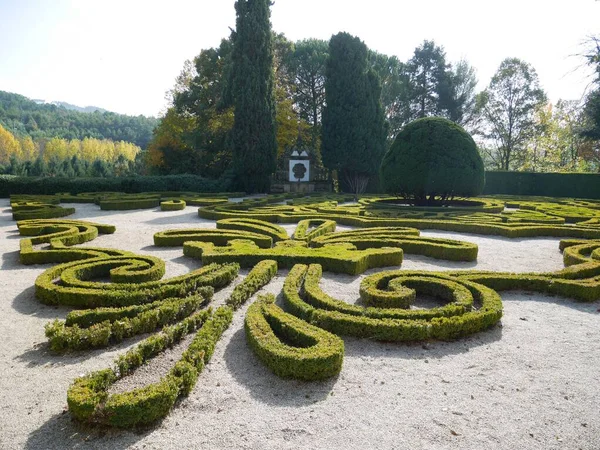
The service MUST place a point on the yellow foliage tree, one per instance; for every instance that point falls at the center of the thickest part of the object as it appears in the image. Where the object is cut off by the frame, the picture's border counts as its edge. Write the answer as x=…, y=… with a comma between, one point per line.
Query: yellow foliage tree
x=9, y=146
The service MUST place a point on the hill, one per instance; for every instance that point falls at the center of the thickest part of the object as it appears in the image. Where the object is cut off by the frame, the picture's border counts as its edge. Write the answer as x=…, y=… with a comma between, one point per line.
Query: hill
x=23, y=116
x=83, y=109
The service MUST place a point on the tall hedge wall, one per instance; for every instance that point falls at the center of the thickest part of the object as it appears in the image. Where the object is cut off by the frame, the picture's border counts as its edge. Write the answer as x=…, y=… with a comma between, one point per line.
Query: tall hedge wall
x=51, y=185
x=578, y=185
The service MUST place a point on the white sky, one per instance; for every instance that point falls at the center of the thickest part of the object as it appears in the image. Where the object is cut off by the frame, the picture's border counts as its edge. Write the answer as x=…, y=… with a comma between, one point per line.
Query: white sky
x=123, y=55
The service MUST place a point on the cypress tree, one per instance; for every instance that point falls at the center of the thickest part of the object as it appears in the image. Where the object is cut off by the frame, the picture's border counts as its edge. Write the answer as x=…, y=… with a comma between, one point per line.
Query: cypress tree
x=354, y=128
x=254, y=143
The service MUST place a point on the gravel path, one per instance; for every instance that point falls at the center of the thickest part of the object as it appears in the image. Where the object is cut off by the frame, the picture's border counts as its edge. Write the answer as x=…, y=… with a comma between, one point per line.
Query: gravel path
x=532, y=383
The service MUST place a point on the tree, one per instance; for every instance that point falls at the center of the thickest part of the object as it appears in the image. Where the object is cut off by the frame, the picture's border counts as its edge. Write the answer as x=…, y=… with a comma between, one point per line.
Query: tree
x=253, y=134
x=353, y=136
x=307, y=65
x=591, y=128
x=432, y=161
x=9, y=146
x=464, y=83
x=507, y=109
x=430, y=82
x=394, y=90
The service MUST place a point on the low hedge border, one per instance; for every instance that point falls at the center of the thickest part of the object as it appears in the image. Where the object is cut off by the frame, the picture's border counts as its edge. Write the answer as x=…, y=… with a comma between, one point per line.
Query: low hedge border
x=258, y=277
x=289, y=346
x=337, y=258
x=173, y=205
x=88, y=397
x=81, y=294
x=321, y=227
x=38, y=210
x=275, y=232
x=176, y=238
x=387, y=329
x=447, y=249
x=102, y=327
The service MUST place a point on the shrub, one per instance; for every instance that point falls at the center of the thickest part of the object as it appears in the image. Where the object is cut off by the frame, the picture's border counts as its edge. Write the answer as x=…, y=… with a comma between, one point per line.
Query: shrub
x=433, y=159
x=289, y=346
x=172, y=205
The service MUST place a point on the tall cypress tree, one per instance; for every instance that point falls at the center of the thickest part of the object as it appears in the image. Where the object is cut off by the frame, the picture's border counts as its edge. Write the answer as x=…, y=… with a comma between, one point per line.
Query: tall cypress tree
x=254, y=143
x=354, y=128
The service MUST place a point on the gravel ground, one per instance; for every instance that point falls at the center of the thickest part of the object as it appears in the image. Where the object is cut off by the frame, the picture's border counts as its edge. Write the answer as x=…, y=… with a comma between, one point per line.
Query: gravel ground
x=532, y=383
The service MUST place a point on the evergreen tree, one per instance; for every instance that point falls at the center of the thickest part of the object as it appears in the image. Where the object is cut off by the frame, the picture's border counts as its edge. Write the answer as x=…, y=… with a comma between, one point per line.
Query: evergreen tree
x=354, y=130
x=254, y=143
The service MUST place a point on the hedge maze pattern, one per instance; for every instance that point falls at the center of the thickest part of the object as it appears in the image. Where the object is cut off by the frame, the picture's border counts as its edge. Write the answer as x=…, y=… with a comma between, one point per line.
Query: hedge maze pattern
x=301, y=338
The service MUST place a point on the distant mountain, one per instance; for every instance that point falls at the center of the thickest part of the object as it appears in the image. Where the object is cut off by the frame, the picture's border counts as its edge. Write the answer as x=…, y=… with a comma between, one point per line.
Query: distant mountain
x=39, y=119
x=69, y=106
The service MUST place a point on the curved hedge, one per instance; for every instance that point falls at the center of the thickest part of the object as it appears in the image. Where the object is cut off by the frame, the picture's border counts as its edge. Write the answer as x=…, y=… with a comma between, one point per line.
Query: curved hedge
x=436, y=324
x=290, y=347
x=172, y=205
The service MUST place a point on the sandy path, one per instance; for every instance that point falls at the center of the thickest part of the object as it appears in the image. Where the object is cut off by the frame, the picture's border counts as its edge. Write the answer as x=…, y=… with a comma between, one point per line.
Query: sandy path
x=532, y=383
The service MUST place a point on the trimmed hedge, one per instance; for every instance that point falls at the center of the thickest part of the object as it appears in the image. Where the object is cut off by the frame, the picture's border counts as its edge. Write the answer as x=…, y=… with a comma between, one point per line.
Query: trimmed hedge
x=337, y=258
x=74, y=290
x=173, y=205
x=101, y=327
x=321, y=227
x=177, y=238
x=52, y=185
x=275, y=232
x=38, y=210
x=447, y=249
x=436, y=326
x=258, y=277
x=88, y=397
x=578, y=185
x=289, y=346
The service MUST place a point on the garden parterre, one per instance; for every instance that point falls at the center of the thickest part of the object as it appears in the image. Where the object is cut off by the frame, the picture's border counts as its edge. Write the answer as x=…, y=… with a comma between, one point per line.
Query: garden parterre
x=284, y=340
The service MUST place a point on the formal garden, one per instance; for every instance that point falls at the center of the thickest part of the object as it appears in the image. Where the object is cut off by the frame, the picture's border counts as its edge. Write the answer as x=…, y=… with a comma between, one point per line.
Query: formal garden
x=126, y=310
x=317, y=246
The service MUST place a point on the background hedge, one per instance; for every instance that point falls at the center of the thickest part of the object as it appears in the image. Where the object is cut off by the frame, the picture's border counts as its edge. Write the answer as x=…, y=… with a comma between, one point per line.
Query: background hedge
x=52, y=185
x=578, y=185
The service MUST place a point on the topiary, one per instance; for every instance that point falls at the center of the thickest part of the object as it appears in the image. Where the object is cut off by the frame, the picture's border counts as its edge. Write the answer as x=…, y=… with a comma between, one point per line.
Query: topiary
x=431, y=161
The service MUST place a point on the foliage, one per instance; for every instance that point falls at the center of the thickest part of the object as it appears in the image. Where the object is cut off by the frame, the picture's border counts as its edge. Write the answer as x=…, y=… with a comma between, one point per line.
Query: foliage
x=508, y=107
x=354, y=129
x=433, y=160
x=25, y=117
x=254, y=125
x=571, y=185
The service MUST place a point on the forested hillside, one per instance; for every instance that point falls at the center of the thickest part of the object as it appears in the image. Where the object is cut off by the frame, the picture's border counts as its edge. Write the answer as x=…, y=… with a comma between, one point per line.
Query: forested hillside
x=24, y=117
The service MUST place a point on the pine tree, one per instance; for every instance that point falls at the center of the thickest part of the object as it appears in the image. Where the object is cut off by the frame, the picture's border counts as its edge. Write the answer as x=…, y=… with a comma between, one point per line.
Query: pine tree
x=354, y=128
x=254, y=143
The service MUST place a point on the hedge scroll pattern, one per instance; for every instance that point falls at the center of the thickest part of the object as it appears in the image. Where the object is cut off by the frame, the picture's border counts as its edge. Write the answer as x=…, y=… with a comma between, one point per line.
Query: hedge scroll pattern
x=135, y=301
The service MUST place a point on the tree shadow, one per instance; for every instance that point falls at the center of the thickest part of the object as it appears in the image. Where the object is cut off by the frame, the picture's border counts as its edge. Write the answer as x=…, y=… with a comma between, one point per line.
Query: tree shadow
x=40, y=354
x=60, y=431
x=527, y=296
x=26, y=304
x=10, y=261
x=265, y=386
x=190, y=219
x=355, y=347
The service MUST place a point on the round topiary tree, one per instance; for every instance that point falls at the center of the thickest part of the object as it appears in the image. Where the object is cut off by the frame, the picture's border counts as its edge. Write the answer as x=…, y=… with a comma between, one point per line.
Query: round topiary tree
x=432, y=161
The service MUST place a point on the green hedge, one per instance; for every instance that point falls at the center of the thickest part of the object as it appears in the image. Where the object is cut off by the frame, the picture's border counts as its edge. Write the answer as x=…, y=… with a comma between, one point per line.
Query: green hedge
x=38, y=210
x=309, y=229
x=53, y=185
x=258, y=277
x=176, y=238
x=337, y=258
x=100, y=327
x=438, y=326
x=88, y=397
x=275, y=232
x=578, y=185
x=289, y=346
x=173, y=205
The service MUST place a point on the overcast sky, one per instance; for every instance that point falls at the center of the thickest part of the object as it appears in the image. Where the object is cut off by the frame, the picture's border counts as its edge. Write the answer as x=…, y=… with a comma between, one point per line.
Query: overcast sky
x=123, y=55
